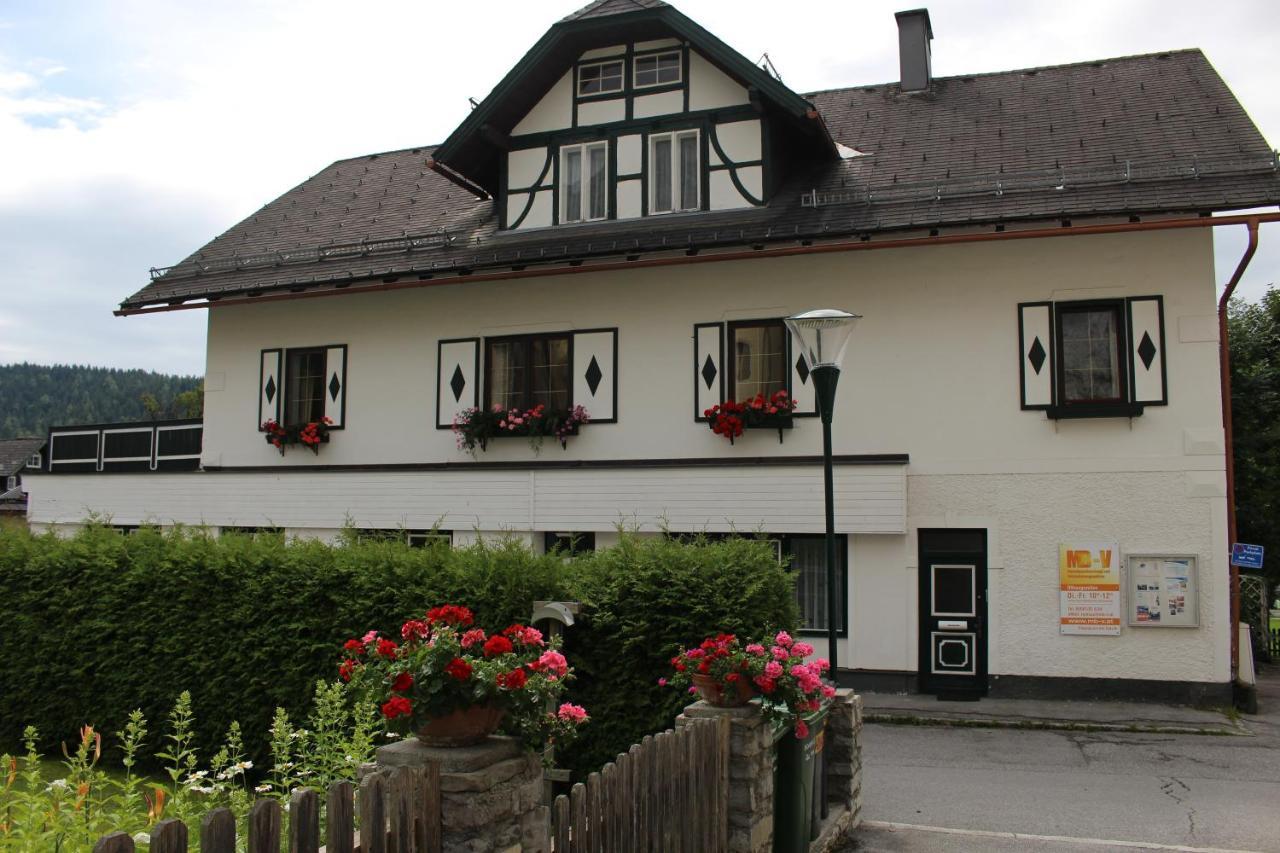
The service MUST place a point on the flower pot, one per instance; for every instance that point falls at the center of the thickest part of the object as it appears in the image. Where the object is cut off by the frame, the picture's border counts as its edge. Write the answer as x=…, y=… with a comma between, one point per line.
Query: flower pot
x=463, y=727
x=722, y=696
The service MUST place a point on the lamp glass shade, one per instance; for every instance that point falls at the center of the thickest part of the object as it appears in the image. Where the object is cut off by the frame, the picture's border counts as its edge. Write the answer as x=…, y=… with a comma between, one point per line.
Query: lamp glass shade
x=823, y=335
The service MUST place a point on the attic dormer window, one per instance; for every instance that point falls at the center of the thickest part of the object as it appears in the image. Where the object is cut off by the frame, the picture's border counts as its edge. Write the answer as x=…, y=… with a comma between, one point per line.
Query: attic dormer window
x=584, y=171
x=657, y=69
x=674, y=172
x=599, y=77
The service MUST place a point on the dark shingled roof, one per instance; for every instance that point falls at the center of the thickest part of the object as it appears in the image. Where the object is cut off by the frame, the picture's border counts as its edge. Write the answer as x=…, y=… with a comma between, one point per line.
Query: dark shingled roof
x=15, y=452
x=1134, y=135
x=604, y=8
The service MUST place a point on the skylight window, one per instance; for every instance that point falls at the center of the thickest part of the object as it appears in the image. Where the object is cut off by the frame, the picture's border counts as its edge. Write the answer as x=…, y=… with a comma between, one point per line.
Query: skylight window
x=600, y=77
x=657, y=69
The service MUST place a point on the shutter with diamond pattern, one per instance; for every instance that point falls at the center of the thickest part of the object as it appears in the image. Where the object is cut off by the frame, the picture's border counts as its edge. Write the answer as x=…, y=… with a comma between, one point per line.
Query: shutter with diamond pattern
x=1035, y=345
x=457, y=382
x=1147, y=382
x=595, y=359
x=269, y=388
x=801, y=382
x=708, y=367
x=335, y=385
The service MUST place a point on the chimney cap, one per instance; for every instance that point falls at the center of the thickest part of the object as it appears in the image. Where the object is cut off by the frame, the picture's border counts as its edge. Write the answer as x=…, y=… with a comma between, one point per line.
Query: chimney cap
x=913, y=13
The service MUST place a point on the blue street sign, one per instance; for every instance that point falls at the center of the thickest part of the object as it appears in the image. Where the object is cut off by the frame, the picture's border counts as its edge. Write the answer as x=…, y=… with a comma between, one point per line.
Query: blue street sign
x=1246, y=556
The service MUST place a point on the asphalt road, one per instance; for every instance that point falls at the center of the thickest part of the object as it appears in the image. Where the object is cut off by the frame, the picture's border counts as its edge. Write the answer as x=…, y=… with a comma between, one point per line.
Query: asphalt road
x=1069, y=790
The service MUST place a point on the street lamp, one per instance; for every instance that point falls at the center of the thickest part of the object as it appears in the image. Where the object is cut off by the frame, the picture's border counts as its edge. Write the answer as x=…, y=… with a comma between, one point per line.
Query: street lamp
x=823, y=335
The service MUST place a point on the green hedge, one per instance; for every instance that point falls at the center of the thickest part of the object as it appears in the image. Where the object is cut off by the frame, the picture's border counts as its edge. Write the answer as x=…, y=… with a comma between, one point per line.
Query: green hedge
x=99, y=624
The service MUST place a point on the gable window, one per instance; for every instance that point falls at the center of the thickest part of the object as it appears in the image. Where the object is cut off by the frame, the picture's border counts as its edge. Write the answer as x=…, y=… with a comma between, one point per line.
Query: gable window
x=657, y=69
x=584, y=171
x=757, y=359
x=11, y=483
x=34, y=461
x=527, y=370
x=304, y=388
x=674, y=174
x=1091, y=347
x=600, y=77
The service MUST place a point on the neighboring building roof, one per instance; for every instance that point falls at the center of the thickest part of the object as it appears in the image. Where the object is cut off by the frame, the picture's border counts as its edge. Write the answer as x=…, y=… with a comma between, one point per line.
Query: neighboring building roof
x=604, y=8
x=1134, y=135
x=15, y=452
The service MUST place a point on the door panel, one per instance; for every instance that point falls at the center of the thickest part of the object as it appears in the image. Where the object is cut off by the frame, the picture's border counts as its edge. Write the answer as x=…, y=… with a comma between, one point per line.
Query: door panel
x=953, y=612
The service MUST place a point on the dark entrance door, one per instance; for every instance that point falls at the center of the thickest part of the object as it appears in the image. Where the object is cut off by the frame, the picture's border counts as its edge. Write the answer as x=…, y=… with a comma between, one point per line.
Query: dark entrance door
x=953, y=613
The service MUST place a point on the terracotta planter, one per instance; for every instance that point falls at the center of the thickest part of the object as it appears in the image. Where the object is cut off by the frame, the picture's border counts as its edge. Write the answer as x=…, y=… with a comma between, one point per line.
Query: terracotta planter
x=463, y=727
x=713, y=693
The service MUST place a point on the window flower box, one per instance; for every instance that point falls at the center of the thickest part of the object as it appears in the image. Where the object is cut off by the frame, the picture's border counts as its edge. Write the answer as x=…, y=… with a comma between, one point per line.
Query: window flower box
x=731, y=418
x=310, y=435
x=473, y=428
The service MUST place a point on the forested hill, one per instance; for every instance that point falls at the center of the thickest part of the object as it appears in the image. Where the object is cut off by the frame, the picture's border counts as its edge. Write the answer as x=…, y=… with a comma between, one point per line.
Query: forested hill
x=35, y=396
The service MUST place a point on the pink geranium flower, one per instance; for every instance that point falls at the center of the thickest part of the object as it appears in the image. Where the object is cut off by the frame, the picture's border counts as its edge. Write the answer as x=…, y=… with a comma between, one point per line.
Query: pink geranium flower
x=571, y=713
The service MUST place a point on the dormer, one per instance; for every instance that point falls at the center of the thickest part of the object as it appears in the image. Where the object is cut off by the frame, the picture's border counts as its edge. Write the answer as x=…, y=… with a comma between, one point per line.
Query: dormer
x=628, y=110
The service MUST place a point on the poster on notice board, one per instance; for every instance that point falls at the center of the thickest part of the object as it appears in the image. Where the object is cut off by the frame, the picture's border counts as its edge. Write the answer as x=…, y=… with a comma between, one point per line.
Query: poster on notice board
x=1163, y=591
x=1089, y=589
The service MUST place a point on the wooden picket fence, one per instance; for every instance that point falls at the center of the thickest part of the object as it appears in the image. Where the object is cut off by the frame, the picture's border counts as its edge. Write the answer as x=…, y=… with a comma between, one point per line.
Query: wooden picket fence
x=403, y=803
x=667, y=794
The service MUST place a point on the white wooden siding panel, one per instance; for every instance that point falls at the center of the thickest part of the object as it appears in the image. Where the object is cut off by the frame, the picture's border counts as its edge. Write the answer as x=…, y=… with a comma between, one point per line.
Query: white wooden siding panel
x=540, y=214
x=629, y=194
x=740, y=140
x=1037, y=388
x=629, y=154
x=601, y=112
x=1148, y=382
x=553, y=112
x=524, y=167
x=710, y=88
x=597, y=52
x=660, y=104
x=724, y=195
x=870, y=499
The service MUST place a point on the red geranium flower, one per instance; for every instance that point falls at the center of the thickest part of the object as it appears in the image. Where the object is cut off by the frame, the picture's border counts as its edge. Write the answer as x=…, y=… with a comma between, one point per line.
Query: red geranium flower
x=345, y=669
x=402, y=682
x=354, y=646
x=450, y=614
x=497, y=645
x=387, y=648
x=396, y=706
x=513, y=680
x=414, y=628
x=459, y=669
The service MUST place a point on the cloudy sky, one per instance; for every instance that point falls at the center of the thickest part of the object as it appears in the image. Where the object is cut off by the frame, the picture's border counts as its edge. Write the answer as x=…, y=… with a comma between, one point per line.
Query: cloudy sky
x=133, y=131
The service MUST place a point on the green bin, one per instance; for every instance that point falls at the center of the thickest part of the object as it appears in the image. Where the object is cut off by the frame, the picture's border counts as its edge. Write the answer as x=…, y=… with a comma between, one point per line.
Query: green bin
x=797, y=765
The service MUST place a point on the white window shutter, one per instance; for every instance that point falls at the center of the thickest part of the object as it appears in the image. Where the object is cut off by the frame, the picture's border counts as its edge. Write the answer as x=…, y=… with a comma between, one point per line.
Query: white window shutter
x=801, y=382
x=335, y=385
x=1035, y=346
x=708, y=367
x=270, y=388
x=595, y=373
x=457, y=378
x=1147, y=380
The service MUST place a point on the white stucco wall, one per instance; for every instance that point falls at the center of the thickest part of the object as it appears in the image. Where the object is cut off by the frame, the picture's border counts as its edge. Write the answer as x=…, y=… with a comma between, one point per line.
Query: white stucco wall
x=932, y=371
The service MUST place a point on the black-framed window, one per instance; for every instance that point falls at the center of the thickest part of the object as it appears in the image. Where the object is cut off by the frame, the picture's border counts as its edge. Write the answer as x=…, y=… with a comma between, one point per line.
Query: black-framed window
x=757, y=359
x=675, y=174
x=1092, y=365
x=657, y=69
x=527, y=370
x=570, y=544
x=304, y=386
x=411, y=538
x=428, y=538
x=595, y=78
x=806, y=556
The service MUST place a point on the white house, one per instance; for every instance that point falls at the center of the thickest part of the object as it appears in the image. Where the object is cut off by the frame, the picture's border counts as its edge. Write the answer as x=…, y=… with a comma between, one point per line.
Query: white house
x=623, y=223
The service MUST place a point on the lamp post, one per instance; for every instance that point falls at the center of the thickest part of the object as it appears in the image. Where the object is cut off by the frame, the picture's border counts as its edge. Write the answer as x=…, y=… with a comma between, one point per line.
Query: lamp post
x=823, y=335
